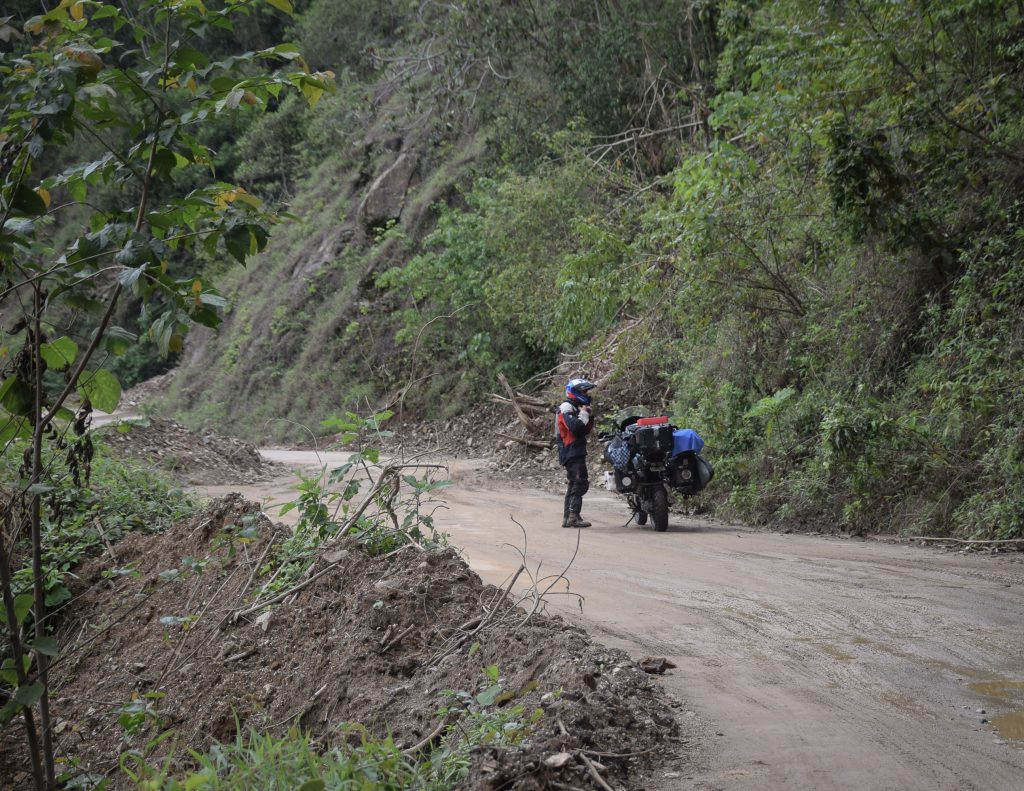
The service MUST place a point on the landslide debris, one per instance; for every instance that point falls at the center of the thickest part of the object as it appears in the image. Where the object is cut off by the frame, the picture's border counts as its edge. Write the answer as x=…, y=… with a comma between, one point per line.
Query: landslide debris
x=194, y=457
x=374, y=640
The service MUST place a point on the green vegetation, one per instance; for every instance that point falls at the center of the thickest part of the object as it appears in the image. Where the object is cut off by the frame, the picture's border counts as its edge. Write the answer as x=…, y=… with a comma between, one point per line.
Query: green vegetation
x=327, y=506
x=105, y=205
x=80, y=521
x=471, y=720
x=795, y=225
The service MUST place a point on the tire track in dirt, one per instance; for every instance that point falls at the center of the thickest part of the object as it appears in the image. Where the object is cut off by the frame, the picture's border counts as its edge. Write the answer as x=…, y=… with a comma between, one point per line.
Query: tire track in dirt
x=823, y=662
x=808, y=662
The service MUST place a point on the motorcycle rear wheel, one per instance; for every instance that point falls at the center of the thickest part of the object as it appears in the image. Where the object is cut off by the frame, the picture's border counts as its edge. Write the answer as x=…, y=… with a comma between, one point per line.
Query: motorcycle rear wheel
x=659, y=510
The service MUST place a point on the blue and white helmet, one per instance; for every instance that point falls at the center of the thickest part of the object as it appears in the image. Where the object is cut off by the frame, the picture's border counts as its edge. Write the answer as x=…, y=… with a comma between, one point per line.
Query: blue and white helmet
x=576, y=391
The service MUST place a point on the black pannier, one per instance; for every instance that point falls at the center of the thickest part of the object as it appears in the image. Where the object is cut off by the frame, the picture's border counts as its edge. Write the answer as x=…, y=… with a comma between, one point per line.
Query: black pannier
x=690, y=472
x=653, y=440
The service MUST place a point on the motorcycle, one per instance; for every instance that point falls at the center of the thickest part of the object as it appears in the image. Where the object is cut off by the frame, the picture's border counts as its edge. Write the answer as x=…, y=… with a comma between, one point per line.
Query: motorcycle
x=651, y=461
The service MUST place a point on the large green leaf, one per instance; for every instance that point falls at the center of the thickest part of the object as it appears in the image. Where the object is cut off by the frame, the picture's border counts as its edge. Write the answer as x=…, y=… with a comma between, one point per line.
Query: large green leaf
x=59, y=354
x=22, y=604
x=13, y=427
x=46, y=645
x=8, y=674
x=489, y=695
x=28, y=201
x=27, y=696
x=239, y=242
x=118, y=340
x=16, y=396
x=8, y=711
x=101, y=388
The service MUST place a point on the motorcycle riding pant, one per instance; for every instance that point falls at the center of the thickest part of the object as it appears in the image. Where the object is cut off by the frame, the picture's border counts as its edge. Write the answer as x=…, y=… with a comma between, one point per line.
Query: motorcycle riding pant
x=578, y=484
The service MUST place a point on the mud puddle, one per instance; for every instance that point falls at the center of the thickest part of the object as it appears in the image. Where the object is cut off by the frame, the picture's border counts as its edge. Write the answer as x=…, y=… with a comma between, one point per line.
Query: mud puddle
x=1005, y=693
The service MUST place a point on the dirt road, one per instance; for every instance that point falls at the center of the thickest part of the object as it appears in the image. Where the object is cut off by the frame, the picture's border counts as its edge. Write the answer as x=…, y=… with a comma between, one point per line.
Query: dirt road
x=806, y=662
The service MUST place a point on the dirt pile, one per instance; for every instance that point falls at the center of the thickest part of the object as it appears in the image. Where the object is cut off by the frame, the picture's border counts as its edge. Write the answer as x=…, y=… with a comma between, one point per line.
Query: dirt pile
x=145, y=395
x=196, y=458
x=377, y=641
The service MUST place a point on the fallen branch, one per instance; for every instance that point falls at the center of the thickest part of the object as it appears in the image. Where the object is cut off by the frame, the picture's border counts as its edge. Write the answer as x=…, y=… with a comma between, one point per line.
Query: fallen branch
x=538, y=596
x=409, y=751
x=515, y=404
x=460, y=638
x=285, y=594
x=530, y=443
x=620, y=755
x=177, y=649
x=256, y=568
x=106, y=543
x=303, y=711
x=395, y=640
x=524, y=400
x=534, y=409
x=594, y=773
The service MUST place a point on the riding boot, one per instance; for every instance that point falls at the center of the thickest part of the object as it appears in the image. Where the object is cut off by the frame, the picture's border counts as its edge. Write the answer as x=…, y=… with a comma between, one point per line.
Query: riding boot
x=575, y=520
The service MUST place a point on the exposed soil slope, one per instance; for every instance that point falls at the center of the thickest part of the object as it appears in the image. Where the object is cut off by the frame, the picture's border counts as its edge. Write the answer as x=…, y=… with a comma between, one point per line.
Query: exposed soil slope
x=374, y=640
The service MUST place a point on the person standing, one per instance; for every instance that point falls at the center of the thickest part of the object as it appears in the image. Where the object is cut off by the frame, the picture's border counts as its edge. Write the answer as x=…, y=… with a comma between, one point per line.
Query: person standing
x=573, y=422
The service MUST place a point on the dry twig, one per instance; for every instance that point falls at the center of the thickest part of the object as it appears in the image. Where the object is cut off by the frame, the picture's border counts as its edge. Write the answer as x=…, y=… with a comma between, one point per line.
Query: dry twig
x=592, y=770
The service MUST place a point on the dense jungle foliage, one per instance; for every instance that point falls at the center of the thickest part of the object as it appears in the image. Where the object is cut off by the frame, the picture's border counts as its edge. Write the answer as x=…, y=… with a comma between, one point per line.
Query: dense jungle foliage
x=798, y=223
x=112, y=210
x=795, y=225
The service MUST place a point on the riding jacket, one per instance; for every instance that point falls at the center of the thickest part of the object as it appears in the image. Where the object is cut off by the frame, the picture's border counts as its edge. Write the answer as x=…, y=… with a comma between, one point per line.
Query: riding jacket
x=571, y=429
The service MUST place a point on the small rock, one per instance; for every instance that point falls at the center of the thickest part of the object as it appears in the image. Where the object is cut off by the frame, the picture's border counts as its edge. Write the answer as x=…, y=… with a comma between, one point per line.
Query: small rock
x=652, y=664
x=664, y=720
x=263, y=621
x=335, y=555
x=558, y=760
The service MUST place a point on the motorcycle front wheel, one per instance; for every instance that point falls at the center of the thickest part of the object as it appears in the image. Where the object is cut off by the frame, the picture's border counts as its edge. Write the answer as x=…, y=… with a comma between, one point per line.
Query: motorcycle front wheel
x=640, y=516
x=659, y=510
